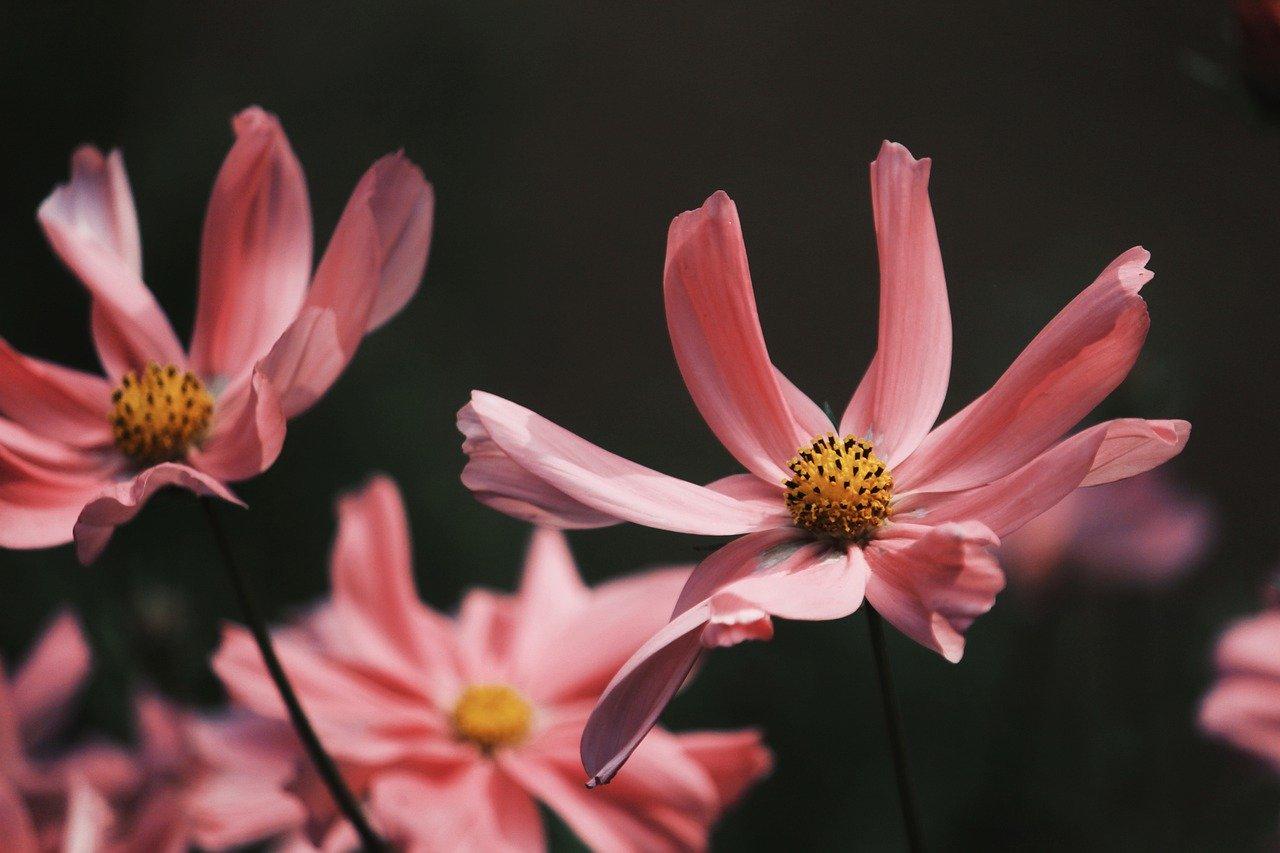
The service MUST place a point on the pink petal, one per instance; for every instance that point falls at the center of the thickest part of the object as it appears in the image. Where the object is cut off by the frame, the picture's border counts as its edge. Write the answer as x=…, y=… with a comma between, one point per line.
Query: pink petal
x=553, y=664
x=306, y=360
x=735, y=760
x=43, y=488
x=119, y=502
x=607, y=483
x=479, y=807
x=90, y=223
x=1133, y=446
x=902, y=393
x=16, y=826
x=551, y=593
x=233, y=809
x=54, y=401
x=711, y=315
x=247, y=434
x=89, y=817
x=486, y=626
x=52, y=675
x=403, y=206
x=1015, y=499
x=1244, y=706
x=255, y=251
x=1076, y=361
x=935, y=587
x=498, y=482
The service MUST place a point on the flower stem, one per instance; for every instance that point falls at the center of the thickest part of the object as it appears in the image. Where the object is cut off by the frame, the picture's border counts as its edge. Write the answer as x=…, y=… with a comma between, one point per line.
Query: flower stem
x=342, y=795
x=893, y=723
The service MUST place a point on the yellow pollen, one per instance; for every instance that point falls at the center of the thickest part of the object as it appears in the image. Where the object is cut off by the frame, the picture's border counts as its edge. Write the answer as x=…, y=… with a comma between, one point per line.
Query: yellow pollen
x=157, y=415
x=839, y=488
x=492, y=715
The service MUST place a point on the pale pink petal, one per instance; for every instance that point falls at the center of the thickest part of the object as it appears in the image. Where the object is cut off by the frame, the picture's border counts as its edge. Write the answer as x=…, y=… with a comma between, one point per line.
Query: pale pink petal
x=119, y=502
x=935, y=587
x=306, y=360
x=55, y=402
x=715, y=331
x=16, y=826
x=630, y=705
x=403, y=206
x=89, y=817
x=902, y=393
x=478, y=807
x=232, y=809
x=247, y=433
x=1134, y=445
x=735, y=760
x=486, y=627
x=255, y=251
x=606, y=482
x=1244, y=706
x=90, y=223
x=1076, y=361
x=43, y=488
x=49, y=679
x=769, y=498
x=1015, y=499
x=498, y=482
x=556, y=665
x=551, y=594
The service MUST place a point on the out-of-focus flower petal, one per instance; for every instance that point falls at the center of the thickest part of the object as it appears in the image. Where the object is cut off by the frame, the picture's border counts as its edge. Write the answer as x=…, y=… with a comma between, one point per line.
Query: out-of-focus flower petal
x=1243, y=707
x=255, y=251
x=735, y=760
x=902, y=393
x=711, y=315
x=55, y=402
x=89, y=817
x=51, y=676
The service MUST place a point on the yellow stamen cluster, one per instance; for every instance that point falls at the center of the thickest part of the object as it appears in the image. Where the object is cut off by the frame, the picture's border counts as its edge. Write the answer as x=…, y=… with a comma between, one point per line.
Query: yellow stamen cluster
x=839, y=488
x=492, y=715
x=157, y=415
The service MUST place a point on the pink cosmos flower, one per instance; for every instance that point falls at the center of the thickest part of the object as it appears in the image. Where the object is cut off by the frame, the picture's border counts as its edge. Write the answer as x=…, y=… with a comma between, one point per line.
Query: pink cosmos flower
x=451, y=729
x=1142, y=532
x=1243, y=708
x=80, y=454
x=879, y=505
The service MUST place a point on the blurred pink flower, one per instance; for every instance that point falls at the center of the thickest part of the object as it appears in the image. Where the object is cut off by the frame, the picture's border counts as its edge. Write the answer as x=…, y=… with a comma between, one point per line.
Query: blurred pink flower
x=1260, y=45
x=80, y=454
x=1243, y=708
x=1142, y=532
x=880, y=504
x=452, y=728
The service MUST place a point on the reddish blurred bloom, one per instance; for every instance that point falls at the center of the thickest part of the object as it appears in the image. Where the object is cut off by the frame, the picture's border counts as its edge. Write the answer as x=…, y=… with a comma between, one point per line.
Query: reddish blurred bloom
x=1243, y=708
x=1140, y=532
x=80, y=454
x=879, y=504
x=1260, y=46
x=452, y=728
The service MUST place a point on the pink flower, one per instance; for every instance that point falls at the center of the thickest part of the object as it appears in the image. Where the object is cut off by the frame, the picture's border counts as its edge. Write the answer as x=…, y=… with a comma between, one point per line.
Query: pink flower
x=1243, y=708
x=1140, y=532
x=48, y=790
x=879, y=505
x=451, y=728
x=80, y=454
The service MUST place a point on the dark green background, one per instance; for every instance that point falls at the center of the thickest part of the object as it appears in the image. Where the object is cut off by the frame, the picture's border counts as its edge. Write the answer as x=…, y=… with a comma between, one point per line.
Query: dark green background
x=562, y=138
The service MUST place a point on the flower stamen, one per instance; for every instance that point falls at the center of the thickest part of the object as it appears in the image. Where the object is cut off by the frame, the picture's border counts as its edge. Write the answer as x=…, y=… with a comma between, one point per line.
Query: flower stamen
x=158, y=415
x=839, y=488
x=492, y=715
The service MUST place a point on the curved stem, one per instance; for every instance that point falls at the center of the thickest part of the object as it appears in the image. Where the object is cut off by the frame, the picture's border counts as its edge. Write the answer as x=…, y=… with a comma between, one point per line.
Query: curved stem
x=897, y=740
x=342, y=795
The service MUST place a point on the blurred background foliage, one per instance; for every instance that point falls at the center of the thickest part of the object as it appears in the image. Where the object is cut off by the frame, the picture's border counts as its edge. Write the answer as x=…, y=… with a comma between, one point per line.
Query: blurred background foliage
x=562, y=138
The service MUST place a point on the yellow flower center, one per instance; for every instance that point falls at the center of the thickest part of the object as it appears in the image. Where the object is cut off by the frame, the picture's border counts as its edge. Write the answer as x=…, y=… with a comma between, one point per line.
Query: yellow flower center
x=839, y=488
x=492, y=715
x=157, y=415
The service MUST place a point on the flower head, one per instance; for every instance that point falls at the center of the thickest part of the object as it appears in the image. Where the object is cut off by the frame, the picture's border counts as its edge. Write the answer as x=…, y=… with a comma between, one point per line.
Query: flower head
x=452, y=727
x=80, y=454
x=883, y=504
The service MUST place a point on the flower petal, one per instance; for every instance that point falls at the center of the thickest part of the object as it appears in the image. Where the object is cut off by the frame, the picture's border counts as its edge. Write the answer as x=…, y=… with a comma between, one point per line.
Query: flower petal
x=735, y=760
x=247, y=434
x=88, y=819
x=551, y=593
x=54, y=401
x=306, y=360
x=498, y=482
x=1076, y=361
x=608, y=483
x=255, y=251
x=1133, y=446
x=90, y=224
x=902, y=392
x=715, y=331
x=43, y=487
x=16, y=826
x=119, y=502
x=403, y=206
x=1243, y=707
x=935, y=587
x=53, y=673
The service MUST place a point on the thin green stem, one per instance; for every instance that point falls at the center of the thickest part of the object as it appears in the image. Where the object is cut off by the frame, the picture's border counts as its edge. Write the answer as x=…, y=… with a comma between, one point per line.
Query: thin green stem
x=342, y=795
x=897, y=740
